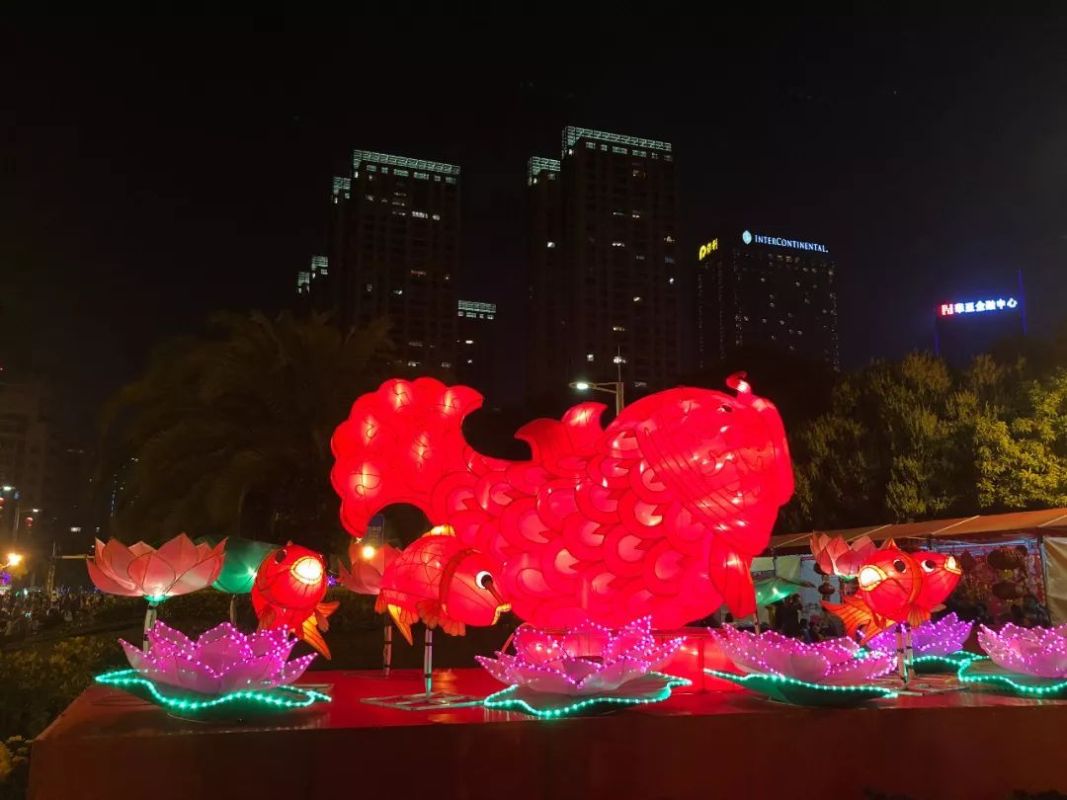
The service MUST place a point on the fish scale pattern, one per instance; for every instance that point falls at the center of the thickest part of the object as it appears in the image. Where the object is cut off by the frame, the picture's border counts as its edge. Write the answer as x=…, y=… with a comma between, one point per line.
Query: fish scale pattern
x=658, y=514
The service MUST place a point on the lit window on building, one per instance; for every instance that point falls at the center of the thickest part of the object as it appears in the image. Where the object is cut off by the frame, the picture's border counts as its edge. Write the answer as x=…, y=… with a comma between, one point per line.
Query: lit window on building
x=550, y=244
x=590, y=357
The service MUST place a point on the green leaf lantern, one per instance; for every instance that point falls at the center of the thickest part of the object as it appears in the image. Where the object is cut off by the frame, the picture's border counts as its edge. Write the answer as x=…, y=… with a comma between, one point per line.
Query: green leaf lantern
x=240, y=563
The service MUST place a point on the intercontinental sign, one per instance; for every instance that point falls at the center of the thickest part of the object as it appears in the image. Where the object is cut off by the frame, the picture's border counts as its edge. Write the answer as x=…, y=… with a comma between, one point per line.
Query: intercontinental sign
x=758, y=238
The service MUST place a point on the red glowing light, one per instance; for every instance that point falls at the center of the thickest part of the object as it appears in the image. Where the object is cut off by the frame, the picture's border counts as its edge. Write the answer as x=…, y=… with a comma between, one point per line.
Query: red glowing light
x=288, y=592
x=658, y=514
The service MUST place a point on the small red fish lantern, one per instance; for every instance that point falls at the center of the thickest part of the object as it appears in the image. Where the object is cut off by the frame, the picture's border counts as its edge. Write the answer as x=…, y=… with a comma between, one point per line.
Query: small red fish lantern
x=894, y=586
x=442, y=581
x=288, y=592
x=940, y=575
x=889, y=583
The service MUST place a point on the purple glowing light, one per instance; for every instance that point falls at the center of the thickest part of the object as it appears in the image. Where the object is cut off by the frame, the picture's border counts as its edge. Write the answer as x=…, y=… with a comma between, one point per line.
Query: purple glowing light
x=834, y=662
x=588, y=659
x=940, y=638
x=1041, y=652
x=220, y=661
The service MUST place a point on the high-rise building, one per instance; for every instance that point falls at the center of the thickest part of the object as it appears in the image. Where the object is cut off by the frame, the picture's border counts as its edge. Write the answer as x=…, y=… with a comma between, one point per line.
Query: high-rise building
x=395, y=252
x=755, y=289
x=475, y=343
x=966, y=327
x=603, y=277
x=27, y=451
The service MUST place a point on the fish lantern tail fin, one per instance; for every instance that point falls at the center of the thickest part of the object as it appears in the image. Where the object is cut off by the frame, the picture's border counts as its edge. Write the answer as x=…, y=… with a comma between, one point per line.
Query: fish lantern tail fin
x=309, y=632
x=731, y=576
x=855, y=614
x=397, y=444
x=402, y=618
x=917, y=616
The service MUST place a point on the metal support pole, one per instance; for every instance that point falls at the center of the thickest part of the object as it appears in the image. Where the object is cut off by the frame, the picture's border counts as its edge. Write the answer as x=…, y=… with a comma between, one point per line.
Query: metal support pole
x=233, y=610
x=909, y=651
x=149, y=621
x=902, y=666
x=387, y=651
x=427, y=660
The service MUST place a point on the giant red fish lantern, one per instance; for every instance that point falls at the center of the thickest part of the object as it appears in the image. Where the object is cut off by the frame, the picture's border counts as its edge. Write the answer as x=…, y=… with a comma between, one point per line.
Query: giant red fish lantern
x=658, y=514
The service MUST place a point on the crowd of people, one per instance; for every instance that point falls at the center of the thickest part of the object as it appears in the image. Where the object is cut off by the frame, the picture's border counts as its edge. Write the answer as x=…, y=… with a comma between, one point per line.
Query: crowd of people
x=23, y=613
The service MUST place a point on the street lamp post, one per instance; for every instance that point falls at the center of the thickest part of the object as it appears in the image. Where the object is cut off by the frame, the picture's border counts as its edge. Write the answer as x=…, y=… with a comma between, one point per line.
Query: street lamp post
x=616, y=388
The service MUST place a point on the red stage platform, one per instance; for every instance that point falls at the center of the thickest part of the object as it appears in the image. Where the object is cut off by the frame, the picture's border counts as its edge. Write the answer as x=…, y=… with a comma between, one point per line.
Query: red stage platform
x=714, y=744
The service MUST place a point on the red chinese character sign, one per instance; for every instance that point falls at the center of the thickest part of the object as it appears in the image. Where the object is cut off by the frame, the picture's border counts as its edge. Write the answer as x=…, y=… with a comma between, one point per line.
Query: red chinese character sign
x=659, y=514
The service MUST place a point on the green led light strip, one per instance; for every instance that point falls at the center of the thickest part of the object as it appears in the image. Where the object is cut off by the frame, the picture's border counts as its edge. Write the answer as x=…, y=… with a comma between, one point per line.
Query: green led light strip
x=274, y=698
x=505, y=701
x=946, y=663
x=1012, y=681
x=757, y=677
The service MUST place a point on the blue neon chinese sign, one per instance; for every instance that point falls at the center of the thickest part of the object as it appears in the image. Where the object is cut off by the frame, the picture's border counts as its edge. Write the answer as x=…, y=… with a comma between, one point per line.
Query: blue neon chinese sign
x=978, y=306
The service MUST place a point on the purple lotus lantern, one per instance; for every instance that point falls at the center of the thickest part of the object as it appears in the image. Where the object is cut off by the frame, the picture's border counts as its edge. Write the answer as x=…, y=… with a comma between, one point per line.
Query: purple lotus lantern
x=1040, y=652
x=932, y=642
x=222, y=674
x=220, y=661
x=1028, y=662
x=834, y=672
x=553, y=674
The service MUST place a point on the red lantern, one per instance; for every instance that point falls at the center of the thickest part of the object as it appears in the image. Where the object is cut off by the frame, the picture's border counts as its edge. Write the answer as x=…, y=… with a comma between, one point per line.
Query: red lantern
x=658, y=514
x=288, y=592
x=889, y=583
x=940, y=575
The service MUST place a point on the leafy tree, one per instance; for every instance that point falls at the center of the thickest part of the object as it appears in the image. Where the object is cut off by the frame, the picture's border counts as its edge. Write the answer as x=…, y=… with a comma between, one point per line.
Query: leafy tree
x=229, y=433
x=1021, y=458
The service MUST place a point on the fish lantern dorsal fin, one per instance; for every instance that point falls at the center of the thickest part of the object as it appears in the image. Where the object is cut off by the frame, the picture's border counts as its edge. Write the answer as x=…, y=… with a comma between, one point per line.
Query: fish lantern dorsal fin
x=889, y=543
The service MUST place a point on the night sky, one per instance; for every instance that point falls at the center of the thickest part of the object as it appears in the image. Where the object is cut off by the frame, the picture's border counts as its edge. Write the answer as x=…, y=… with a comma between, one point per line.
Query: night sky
x=158, y=176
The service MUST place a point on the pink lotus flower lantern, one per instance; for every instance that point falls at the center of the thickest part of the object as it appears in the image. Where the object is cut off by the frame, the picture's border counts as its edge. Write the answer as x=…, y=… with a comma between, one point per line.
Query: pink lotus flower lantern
x=1041, y=652
x=178, y=567
x=941, y=638
x=220, y=661
x=834, y=662
x=367, y=565
x=586, y=660
x=837, y=557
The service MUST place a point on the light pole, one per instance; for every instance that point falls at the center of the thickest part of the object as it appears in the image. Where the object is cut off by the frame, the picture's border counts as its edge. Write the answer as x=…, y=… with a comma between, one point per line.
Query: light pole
x=615, y=387
x=17, y=495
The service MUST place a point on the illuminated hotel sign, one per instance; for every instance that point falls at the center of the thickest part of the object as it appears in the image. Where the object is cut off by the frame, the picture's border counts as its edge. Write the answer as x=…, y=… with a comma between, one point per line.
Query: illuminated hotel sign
x=748, y=237
x=976, y=306
x=709, y=248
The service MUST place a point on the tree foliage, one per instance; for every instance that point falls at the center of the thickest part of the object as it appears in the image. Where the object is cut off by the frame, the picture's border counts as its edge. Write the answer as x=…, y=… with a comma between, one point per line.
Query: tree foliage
x=913, y=440
x=230, y=432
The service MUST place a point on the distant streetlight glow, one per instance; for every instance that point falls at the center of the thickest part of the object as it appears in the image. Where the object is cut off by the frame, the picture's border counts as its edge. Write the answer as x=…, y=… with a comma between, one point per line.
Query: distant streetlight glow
x=581, y=386
x=13, y=560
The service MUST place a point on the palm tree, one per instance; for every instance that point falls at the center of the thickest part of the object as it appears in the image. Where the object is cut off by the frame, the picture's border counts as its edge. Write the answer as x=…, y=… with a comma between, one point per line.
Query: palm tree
x=230, y=433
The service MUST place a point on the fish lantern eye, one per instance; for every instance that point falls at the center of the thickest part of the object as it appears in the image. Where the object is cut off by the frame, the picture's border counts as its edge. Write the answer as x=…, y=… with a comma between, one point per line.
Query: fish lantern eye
x=307, y=570
x=869, y=577
x=279, y=556
x=928, y=565
x=483, y=579
x=900, y=566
